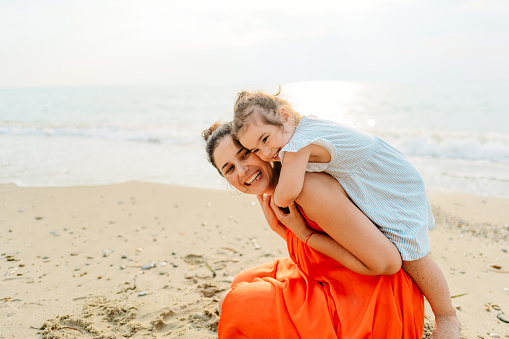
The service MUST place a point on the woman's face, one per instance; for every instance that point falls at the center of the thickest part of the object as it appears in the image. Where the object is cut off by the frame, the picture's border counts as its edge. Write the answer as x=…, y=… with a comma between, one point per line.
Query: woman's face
x=243, y=169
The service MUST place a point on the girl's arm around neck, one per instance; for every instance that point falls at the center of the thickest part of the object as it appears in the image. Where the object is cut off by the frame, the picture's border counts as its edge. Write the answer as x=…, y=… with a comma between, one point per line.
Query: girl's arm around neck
x=293, y=170
x=325, y=202
x=291, y=178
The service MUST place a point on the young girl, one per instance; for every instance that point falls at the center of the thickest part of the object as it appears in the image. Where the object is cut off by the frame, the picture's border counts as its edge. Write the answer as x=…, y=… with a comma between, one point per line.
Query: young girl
x=379, y=179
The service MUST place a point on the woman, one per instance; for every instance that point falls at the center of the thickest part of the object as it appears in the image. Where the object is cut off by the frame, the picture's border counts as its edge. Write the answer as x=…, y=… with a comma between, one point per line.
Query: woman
x=315, y=293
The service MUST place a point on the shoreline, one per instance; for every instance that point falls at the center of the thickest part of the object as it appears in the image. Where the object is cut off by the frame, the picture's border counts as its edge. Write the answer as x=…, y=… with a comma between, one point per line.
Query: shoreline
x=153, y=259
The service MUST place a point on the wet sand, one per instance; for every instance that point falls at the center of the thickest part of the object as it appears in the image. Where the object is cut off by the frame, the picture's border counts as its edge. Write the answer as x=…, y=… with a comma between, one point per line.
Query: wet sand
x=151, y=260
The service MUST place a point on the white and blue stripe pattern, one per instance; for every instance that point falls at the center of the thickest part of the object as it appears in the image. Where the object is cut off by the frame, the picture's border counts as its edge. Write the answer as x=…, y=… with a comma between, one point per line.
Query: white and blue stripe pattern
x=379, y=179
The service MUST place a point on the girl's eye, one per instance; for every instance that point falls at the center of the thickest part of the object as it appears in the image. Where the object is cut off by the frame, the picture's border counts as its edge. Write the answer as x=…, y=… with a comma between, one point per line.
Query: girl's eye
x=264, y=140
x=255, y=151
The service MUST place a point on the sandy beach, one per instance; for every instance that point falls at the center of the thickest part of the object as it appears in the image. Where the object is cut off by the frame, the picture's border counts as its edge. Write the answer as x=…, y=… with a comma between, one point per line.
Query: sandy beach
x=151, y=260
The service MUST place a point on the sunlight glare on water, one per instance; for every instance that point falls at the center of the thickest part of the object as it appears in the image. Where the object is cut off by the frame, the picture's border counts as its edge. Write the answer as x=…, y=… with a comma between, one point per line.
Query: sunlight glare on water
x=330, y=100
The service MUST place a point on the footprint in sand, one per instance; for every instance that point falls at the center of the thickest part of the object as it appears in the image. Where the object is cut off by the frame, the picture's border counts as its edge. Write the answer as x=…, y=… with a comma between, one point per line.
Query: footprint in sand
x=209, y=290
x=194, y=259
x=206, y=319
x=63, y=326
x=165, y=321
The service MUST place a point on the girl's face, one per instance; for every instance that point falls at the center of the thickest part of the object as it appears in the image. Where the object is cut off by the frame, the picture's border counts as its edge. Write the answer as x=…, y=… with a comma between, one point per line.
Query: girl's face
x=266, y=140
x=243, y=169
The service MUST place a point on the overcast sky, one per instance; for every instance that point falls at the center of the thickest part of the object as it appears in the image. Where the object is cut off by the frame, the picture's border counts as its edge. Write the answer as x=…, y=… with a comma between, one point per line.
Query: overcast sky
x=157, y=42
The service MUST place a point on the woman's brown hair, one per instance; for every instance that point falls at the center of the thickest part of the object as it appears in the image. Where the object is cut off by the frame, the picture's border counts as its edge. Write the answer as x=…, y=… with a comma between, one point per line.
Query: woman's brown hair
x=213, y=135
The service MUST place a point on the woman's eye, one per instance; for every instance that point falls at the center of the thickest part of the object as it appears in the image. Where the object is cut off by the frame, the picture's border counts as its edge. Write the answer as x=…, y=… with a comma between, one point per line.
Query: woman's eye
x=246, y=154
x=264, y=140
x=255, y=151
x=229, y=170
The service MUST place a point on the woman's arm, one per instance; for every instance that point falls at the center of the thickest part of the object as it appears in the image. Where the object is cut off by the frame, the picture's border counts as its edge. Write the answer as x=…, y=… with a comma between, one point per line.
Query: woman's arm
x=320, y=241
x=272, y=220
x=324, y=201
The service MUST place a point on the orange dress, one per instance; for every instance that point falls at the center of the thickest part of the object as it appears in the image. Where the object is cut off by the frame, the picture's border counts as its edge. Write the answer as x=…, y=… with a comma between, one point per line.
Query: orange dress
x=310, y=295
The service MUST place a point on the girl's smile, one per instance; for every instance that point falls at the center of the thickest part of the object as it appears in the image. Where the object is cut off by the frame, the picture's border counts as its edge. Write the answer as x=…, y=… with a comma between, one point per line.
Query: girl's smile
x=264, y=139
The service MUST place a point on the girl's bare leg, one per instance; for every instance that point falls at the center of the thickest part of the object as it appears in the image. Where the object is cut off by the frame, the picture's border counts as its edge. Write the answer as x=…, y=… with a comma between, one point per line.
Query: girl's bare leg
x=431, y=281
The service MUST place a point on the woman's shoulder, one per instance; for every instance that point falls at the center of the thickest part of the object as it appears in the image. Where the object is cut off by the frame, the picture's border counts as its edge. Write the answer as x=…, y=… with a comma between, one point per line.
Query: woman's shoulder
x=317, y=178
x=317, y=187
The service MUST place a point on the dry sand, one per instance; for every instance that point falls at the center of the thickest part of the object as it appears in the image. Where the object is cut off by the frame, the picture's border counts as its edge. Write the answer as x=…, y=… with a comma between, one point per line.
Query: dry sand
x=147, y=260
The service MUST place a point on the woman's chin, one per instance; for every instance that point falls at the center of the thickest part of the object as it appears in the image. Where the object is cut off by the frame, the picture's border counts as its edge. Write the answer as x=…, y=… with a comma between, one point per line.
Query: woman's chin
x=258, y=187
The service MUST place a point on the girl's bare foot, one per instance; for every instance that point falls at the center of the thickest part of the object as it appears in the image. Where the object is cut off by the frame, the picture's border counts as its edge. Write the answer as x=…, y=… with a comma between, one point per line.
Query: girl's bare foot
x=446, y=327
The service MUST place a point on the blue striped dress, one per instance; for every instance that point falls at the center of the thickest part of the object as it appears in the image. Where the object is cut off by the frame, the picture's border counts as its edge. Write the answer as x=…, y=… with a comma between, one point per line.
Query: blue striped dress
x=379, y=179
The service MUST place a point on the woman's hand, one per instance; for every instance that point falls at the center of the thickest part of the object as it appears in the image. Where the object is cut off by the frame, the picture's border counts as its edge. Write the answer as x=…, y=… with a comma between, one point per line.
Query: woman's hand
x=266, y=201
x=292, y=220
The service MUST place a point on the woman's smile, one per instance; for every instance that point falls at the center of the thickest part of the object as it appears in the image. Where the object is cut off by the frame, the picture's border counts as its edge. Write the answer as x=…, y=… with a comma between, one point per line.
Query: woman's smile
x=244, y=170
x=253, y=178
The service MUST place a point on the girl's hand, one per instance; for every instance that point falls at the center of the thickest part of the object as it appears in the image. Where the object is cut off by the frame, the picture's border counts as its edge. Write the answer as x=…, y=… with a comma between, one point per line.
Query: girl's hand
x=292, y=220
x=265, y=201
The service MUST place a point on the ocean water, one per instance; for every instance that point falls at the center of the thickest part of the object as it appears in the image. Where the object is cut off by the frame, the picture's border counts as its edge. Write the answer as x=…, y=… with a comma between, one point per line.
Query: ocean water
x=457, y=135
